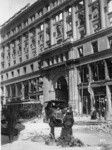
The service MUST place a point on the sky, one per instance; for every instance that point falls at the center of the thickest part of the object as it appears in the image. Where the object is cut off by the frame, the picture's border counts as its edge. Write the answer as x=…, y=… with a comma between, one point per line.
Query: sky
x=9, y=7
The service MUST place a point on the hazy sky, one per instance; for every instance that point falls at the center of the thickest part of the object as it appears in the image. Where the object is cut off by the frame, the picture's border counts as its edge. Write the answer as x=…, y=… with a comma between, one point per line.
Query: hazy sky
x=9, y=7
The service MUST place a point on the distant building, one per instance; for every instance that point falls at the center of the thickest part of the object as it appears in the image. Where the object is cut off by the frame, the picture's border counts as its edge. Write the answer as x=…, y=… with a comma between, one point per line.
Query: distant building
x=59, y=49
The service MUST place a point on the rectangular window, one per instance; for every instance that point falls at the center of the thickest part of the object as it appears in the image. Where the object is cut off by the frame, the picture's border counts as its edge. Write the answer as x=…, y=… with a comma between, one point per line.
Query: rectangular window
x=2, y=77
x=60, y=16
x=95, y=46
x=69, y=11
x=12, y=73
x=18, y=71
x=7, y=75
x=24, y=69
x=41, y=27
x=32, y=67
x=110, y=42
x=80, y=51
x=61, y=57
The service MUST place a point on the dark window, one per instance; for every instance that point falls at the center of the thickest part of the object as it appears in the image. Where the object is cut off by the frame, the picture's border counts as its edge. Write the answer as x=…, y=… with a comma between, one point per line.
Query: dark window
x=32, y=67
x=80, y=4
x=80, y=51
x=12, y=74
x=95, y=46
x=110, y=42
x=109, y=66
x=24, y=68
x=2, y=77
x=61, y=57
x=18, y=71
x=84, y=74
x=98, y=71
x=7, y=75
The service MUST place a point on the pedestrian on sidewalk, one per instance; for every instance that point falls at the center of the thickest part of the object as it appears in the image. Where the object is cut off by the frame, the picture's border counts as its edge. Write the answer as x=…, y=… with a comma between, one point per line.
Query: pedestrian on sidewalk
x=11, y=119
x=52, y=123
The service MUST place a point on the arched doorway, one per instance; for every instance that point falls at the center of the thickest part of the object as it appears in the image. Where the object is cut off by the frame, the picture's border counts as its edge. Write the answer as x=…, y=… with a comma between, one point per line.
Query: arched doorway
x=61, y=89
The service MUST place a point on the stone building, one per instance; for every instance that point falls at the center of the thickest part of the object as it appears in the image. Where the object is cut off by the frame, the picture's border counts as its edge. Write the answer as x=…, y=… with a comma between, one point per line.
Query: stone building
x=59, y=49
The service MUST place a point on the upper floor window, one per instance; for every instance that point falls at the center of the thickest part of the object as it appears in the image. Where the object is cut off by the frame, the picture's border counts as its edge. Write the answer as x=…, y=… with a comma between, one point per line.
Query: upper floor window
x=24, y=69
x=80, y=51
x=19, y=27
x=32, y=17
x=25, y=23
x=40, y=13
x=80, y=4
x=18, y=71
x=14, y=30
x=12, y=74
x=48, y=7
x=95, y=46
x=8, y=34
x=69, y=11
x=59, y=17
x=41, y=27
x=81, y=18
x=2, y=77
x=110, y=42
x=32, y=67
x=7, y=75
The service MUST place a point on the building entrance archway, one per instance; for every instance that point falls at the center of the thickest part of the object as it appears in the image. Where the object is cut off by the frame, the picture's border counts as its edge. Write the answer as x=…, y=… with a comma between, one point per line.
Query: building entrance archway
x=61, y=89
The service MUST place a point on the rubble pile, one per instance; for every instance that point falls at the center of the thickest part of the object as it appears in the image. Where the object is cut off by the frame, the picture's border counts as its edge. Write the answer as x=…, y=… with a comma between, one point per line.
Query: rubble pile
x=104, y=127
x=106, y=147
x=69, y=141
x=107, y=128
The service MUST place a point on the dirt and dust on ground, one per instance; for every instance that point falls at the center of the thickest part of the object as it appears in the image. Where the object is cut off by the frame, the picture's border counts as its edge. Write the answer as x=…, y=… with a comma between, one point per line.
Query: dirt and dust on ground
x=95, y=136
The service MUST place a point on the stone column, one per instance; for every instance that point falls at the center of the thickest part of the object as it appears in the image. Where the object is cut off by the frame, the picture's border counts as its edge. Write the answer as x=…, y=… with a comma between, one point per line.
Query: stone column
x=102, y=14
x=106, y=70
x=73, y=90
x=90, y=90
x=37, y=46
x=74, y=28
x=16, y=90
x=109, y=104
x=44, y=35
x=51, y=31
x=87, y=17
x=23, y=91
x=16, y=47
x=22, y=47
x=46, y=89
x=64, y=26
x=10, y=87
x=11, y=59
x=5, y=58
x=29, y=45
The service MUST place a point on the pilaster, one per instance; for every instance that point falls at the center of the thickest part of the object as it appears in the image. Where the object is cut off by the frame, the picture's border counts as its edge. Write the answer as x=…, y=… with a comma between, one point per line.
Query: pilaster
x=74, y=28
x=51, y=31
x=46, y=89
x=64, y=25
x=37, y=46
x=29, y=45
x=87, y=17
x=109, y=103
x=102, y=14
x=73, y=90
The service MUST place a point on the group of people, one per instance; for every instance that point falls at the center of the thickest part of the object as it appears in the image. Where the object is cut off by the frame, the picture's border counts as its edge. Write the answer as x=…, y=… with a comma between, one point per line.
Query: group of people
x=67, y=123
x=98, y=113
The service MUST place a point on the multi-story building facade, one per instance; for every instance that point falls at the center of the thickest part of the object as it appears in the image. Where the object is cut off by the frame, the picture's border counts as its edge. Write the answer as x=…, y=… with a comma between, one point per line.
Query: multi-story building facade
x=59, y=49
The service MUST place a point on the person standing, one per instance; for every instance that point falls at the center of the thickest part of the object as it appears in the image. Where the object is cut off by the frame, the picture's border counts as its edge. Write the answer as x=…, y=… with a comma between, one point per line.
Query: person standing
x=11, y=119
x=52, y=122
